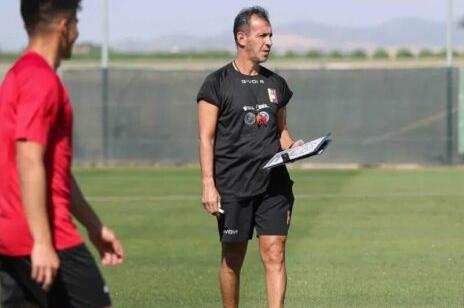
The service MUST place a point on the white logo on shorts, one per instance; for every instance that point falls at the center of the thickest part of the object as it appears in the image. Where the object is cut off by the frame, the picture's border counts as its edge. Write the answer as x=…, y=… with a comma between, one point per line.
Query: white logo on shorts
x=106, y=289
x=230, y=232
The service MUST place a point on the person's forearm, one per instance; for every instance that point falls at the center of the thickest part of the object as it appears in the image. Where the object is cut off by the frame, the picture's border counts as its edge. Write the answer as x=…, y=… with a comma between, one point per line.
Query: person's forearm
x=81, y=209
x=32, y=180
x=286, y=139
x=207, y=160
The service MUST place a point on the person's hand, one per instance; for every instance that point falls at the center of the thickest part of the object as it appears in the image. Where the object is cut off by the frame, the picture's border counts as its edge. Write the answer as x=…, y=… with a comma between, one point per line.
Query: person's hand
x=297, y=143
x=108, y=245
x=44, y=264
x=211, y=199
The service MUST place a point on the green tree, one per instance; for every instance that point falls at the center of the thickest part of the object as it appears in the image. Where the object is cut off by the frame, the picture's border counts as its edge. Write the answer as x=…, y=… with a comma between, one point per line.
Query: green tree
x=314, y=54
x=404, y=53
x=335, y=54
x=426, y=53
x=442, y=53
x=380, y=53
x=291, y=54
x=358, y=54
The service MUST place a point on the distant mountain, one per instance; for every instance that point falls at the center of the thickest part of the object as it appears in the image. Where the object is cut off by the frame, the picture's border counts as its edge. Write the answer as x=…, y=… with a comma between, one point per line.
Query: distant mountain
x=404, y=32
x=301, y=36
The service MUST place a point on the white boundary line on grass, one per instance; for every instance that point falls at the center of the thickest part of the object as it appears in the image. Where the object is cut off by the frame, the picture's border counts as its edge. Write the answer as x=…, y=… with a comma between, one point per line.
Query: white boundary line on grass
x=297, y=196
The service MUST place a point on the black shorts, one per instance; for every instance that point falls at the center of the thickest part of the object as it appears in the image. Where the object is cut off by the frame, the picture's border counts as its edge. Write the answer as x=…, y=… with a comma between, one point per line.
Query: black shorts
x=78, y=282
x=269, y=213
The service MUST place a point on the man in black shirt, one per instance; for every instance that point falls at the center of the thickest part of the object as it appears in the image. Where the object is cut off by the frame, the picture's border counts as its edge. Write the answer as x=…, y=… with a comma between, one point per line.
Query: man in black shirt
x=242, y=124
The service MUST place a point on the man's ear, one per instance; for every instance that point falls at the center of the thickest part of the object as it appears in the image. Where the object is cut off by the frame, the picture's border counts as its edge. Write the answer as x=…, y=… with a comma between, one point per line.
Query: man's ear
x=61, y=24
x=241, y=38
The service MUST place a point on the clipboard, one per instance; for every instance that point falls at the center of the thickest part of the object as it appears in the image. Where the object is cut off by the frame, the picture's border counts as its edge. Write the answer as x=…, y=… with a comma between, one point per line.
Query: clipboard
x=308, y=149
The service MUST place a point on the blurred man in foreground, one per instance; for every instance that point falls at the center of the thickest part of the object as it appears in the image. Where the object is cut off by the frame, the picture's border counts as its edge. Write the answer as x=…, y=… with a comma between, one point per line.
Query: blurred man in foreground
x=43, y=258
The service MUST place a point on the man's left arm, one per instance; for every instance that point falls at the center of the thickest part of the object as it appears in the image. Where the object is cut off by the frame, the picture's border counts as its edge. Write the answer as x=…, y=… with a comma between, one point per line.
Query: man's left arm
x=286, y=139
x=103, y=238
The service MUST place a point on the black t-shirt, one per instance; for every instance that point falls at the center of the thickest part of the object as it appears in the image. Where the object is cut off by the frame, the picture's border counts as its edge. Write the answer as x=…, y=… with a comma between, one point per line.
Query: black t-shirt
x=247, y=134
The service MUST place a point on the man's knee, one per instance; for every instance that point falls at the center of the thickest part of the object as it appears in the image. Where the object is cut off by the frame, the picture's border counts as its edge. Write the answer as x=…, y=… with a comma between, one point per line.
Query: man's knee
x=273, y=253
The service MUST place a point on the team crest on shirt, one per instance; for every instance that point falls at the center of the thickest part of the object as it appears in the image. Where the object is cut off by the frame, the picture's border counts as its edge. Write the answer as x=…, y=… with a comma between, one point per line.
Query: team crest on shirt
x=262, y=118
x=272, y=95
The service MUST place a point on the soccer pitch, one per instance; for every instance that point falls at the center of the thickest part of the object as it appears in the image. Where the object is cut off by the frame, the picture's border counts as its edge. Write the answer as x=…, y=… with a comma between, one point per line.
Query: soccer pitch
x=359, y=238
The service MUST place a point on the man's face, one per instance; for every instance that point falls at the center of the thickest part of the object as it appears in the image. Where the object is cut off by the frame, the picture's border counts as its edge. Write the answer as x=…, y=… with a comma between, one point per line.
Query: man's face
x=258, y=39
x=69, y=34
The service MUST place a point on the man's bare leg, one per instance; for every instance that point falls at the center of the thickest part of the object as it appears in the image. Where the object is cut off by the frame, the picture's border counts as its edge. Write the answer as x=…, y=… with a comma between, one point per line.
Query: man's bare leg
x=272, y=251
x=233, y=255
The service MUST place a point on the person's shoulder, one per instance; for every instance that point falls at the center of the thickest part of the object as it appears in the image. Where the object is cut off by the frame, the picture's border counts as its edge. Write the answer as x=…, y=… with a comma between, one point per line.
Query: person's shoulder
x=213, y=86
x=30, y=66
x=219, y=75
x=271, y=74
x=33, y=75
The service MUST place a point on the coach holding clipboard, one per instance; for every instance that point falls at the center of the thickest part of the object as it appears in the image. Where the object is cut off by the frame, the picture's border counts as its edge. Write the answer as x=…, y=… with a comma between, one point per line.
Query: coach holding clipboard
x=242, y=124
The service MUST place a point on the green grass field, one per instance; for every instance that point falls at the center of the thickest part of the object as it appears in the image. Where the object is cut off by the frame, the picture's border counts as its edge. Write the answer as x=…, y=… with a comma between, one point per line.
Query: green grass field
x=359, y=238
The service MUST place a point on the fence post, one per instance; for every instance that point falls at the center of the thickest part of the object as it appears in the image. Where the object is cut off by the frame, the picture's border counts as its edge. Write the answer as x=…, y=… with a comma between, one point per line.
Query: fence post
x=449, y=116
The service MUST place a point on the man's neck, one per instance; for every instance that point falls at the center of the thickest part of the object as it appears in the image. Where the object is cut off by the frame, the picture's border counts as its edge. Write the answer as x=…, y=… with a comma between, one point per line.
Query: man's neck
x=246, y=66
x=47, y=49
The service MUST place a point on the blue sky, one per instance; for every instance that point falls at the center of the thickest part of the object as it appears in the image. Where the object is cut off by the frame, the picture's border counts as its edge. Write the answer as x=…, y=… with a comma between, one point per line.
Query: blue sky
x=146, y=19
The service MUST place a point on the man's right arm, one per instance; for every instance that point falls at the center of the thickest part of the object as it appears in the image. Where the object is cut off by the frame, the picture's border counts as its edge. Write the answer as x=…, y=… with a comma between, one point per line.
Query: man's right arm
x=207, y=122
x=32, y=179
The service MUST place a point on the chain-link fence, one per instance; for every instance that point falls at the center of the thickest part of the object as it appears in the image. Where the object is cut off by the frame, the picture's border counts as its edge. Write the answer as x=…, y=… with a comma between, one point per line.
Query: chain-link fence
x=375, y=115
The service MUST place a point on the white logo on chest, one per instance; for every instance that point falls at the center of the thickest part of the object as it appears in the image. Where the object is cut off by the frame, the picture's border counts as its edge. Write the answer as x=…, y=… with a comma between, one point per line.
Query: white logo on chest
x=252, y=81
